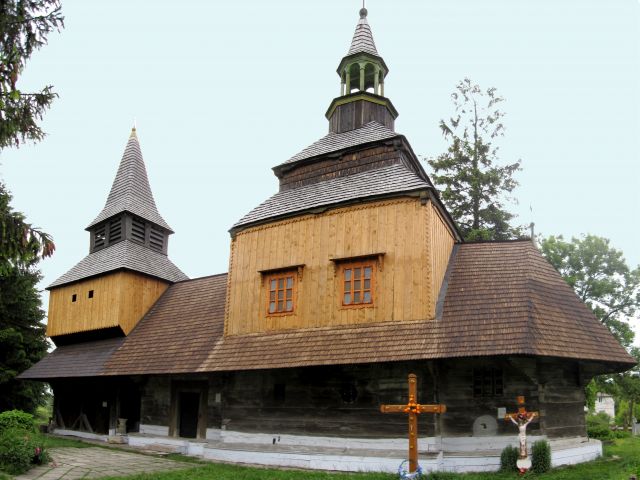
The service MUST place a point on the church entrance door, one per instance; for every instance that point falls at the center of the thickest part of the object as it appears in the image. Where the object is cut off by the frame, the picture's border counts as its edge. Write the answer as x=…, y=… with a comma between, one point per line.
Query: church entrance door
x=189, y=405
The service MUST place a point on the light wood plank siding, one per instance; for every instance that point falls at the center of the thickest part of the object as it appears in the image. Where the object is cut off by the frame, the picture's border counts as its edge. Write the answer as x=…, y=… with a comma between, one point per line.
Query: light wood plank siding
x=119, y=300
x=403, y=286
x=442, y=242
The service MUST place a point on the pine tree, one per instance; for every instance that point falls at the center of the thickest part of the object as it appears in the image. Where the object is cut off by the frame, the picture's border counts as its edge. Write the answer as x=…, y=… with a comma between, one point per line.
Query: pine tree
x=22, y=339
x=471, y=183
x=24, y=26
x=22, y=335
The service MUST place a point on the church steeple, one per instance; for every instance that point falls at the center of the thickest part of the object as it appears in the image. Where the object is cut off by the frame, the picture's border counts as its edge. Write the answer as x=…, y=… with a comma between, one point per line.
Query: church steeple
x=362, y=73
x=130, y=190
x=130, y=212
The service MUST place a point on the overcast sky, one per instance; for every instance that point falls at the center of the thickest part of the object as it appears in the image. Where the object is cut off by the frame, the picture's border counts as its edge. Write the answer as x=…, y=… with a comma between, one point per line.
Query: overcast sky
x=223, y=91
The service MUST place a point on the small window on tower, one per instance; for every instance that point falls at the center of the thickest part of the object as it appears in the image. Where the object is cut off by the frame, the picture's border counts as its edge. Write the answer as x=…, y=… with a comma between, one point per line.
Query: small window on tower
x=90, y=294
x=74, y=297
x=281, y=288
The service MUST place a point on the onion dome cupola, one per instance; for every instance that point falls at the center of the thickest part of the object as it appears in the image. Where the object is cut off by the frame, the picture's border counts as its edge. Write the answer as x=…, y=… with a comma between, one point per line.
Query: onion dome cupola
x=362, y=73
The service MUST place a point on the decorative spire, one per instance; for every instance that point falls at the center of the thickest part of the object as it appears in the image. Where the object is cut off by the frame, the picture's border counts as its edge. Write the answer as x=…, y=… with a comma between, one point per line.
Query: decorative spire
x=362, y=73
x=130, y=191
x=362, y=41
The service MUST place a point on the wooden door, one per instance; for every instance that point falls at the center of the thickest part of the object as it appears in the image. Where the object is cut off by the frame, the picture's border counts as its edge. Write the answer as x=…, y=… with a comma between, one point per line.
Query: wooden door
x=189, y=405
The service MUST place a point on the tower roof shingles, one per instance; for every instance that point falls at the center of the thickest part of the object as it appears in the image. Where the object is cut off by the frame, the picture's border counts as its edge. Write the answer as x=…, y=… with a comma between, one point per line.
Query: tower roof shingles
x=362, y=41
x=123, y=255
x=130, y=191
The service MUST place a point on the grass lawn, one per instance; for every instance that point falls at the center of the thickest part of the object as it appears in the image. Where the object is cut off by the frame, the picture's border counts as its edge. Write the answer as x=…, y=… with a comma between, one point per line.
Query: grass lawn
x=620, y=461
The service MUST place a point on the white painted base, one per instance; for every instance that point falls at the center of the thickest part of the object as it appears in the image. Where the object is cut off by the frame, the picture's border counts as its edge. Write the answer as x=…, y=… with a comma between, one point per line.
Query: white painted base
x=85, y=435
x=157, y=430
x=460, y=454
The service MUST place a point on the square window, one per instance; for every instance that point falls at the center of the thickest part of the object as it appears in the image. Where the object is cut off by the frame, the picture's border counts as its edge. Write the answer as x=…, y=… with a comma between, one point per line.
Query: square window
x=357, y=279
x=488, y=382
x=281, y=294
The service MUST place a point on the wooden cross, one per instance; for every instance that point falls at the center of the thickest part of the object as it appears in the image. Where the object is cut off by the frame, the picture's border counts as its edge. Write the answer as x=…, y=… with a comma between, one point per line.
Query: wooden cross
x=413, y=408
x=522, y=418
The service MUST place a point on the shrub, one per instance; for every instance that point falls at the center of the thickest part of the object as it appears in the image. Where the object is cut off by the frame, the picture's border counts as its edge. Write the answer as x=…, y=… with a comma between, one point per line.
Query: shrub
x=19, y=449
x=16, y=451
x=598, y=426
x=541, y=456
x=16, y=419
x=508, y=459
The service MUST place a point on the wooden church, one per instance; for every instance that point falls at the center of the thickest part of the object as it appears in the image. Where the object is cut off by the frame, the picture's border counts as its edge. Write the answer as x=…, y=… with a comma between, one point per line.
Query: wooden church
x=347, y=279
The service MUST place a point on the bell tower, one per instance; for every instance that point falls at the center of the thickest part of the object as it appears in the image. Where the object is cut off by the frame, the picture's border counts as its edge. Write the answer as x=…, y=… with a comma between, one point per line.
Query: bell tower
x=127, y=268
x=362, y=74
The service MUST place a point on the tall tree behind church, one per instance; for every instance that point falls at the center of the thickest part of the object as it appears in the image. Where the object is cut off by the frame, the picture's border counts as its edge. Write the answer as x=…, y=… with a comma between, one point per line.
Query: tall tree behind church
x=472, y=184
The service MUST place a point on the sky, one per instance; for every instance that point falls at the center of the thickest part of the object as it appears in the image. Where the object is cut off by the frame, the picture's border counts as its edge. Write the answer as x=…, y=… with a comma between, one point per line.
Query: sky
x=223, y=91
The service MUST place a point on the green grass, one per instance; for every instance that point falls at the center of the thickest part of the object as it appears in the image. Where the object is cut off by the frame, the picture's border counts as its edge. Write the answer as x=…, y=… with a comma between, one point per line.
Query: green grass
x=57, y=442
x=620, y=461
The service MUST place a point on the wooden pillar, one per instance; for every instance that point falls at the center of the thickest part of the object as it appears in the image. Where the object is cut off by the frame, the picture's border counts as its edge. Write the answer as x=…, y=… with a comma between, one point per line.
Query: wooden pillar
x=376, y=81
x=348, y=80
x=382, y=88
x=362, y=68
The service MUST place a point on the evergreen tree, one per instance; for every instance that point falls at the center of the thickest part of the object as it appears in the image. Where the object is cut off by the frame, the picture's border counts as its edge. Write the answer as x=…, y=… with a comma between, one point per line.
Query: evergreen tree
x=22, y=339
x=24, y=26
x=22, y=334
x=471, y=183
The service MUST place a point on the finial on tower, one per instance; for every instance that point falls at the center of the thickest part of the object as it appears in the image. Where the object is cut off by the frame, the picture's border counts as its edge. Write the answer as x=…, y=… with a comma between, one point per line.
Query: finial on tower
x=133, y=129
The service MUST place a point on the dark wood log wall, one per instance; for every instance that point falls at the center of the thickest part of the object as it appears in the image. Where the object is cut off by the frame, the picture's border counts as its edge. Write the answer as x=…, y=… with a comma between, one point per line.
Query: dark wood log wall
x=456, y=380
x=562, y=398
x=331, y=401
x=345, y=400
x=347, y=164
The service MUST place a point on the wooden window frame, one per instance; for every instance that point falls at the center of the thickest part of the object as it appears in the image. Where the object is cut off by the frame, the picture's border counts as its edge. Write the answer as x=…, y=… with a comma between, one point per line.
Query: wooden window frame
x=489, y=381
x=371, y=262
x=281, y=275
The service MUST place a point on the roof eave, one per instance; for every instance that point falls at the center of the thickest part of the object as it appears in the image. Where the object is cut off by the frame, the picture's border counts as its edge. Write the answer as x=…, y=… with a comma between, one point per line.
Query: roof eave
x=415, y=192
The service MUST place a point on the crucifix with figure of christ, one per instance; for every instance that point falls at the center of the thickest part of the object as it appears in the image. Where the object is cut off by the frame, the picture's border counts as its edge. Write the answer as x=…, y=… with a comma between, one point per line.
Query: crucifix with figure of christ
x=413, y=409
x=522, y=418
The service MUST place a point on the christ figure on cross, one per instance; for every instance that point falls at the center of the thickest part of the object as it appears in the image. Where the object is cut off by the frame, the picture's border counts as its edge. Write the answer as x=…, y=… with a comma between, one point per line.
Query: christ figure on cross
x=522, y=419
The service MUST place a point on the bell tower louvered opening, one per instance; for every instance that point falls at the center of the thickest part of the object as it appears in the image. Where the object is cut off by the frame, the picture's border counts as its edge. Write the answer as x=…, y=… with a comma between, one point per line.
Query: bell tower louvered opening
x=156, y=238
x=147, y=233
x=138, y=228
x=115, y=230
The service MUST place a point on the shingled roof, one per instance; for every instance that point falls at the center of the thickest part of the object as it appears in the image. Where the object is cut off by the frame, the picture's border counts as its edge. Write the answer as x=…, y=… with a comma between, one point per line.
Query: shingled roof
x=86, y=359
x=362, y=41
x=501, y=299
x=334, y=142
x=130, y=191
x=123, y=255
x=393, y=179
